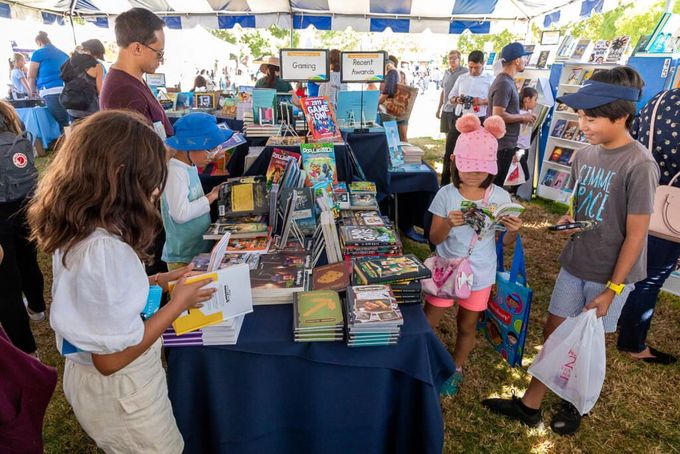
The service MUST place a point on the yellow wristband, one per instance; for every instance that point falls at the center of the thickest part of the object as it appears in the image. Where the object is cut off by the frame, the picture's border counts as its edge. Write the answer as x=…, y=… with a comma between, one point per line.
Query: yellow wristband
x=616, y=288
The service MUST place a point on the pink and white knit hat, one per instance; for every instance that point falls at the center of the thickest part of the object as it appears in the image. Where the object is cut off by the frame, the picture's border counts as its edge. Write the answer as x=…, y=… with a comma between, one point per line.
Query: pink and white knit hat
x=477, y=146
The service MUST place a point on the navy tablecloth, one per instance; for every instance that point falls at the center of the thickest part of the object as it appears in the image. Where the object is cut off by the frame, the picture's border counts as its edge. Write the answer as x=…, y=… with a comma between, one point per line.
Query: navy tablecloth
x=269, y=394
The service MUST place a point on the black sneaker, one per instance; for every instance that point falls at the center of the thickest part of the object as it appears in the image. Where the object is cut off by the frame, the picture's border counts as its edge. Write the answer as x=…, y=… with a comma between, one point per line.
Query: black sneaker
x=566, y=420
x=512, y=409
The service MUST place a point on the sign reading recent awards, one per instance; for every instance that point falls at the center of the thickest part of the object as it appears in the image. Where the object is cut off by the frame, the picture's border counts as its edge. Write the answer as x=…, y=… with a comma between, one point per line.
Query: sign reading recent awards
x=362, y=66
x=304, y=64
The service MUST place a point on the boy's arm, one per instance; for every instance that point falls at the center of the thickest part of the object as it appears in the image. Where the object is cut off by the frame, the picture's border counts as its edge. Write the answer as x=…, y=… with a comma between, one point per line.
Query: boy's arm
x=636, y=235
x=176, y=195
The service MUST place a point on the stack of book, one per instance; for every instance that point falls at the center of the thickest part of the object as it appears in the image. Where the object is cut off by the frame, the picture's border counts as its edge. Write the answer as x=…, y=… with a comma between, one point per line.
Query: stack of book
x=317, y=316
x=201, y=261
x=371, y=218
x=373, y=316
x=279, y=276
x=285, y=140
x=223, y=333
x=412, y=154
x=403, y=274
x=362, y=196
x=252, y=129
x=366, y=241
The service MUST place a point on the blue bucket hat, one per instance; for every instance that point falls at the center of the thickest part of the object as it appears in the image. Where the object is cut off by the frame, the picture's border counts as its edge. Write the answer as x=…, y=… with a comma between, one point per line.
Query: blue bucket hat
x=595, y=94
x=513, y=51
x=197, y=131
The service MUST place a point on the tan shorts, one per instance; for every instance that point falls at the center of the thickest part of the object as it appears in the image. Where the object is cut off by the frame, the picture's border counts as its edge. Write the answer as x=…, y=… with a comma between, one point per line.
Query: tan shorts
x=128, y=411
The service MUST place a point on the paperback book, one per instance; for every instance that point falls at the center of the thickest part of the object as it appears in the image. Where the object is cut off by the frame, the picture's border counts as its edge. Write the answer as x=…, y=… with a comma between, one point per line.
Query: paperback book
x=320, y=118
x=562, y=155
x=389, y=269
x=243, y=197
x=318, y=160
x=334, y=276
x=318, y=316
x=277, y=165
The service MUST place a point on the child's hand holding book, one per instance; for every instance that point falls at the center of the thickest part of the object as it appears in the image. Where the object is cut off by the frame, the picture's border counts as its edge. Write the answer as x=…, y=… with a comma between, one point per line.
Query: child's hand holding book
x=455, y=219
x=191, y=295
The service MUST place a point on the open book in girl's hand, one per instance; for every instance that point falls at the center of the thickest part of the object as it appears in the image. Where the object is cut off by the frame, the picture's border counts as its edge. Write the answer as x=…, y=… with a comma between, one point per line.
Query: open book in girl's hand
x=482, y=219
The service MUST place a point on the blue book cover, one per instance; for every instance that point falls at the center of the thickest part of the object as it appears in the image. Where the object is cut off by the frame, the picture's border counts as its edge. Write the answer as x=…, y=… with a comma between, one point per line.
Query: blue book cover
x=263, y=98
x=349, y=106
x=393, y=143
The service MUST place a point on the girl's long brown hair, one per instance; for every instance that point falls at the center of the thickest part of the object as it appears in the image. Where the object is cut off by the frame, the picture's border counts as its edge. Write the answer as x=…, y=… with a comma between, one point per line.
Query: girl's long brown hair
x=106, y=174
x=9, y=119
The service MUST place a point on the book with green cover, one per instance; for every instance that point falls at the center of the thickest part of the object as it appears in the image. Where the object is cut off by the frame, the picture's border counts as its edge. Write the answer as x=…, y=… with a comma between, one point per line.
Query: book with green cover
x=389, y=269
x=318, y=160
x=318, y=311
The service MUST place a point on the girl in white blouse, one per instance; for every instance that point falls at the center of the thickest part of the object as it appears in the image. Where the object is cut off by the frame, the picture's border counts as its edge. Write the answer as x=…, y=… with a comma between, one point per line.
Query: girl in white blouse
x=95, y=210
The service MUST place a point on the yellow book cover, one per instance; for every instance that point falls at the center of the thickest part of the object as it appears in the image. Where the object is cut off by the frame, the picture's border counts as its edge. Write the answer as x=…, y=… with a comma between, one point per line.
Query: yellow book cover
x=242, y=197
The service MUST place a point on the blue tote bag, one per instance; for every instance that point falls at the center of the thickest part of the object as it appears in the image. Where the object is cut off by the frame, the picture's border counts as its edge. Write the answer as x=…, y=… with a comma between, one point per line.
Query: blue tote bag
x=505, y=321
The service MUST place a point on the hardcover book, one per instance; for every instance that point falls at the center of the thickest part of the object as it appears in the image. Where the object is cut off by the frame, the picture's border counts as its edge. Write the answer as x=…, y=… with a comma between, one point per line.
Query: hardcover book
x=318, y=160
x=330, y=277
x=320, y=117
x=389, y=269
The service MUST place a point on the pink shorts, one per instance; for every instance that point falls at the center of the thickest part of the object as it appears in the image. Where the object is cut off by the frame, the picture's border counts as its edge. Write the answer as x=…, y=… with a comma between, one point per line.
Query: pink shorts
x=476, y=302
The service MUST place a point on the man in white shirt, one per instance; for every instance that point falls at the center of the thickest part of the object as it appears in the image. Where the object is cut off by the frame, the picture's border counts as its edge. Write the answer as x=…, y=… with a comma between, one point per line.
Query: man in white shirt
x=474, y=84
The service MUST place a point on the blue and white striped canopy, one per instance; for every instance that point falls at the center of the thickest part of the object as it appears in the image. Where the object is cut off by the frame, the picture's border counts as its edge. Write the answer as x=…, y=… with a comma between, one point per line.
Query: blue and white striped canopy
x=402, y=16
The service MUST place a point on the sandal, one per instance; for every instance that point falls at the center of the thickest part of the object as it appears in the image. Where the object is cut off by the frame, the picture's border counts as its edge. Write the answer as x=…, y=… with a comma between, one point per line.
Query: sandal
x=660, y=357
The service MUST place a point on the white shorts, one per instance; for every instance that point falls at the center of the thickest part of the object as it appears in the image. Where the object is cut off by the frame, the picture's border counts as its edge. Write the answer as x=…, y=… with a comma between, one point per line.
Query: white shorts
x=128, y=411
x=571, y=294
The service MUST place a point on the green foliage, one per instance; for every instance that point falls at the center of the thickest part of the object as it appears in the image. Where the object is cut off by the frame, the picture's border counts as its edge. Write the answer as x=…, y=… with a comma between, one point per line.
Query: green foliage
x=469, y=42
x=260, y=42
x=339, y=39
x=225, y=35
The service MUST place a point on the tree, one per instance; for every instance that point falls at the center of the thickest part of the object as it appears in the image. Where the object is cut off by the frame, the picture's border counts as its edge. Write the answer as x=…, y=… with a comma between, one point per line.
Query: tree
x=469, y=42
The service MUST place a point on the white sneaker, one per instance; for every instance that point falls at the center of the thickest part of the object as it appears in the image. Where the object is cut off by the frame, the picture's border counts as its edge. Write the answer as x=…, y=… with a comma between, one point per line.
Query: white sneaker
x=34, y=316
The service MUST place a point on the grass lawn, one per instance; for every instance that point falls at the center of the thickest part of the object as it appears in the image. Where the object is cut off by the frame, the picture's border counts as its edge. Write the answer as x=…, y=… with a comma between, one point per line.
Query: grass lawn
x=628, y=417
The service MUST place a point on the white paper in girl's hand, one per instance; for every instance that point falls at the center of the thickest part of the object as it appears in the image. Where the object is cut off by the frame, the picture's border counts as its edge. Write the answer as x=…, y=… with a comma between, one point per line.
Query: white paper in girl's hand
x=160, y=130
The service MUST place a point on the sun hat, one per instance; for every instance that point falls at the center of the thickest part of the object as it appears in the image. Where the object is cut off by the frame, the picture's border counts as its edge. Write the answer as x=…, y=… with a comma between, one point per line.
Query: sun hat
x=197, y=131
x=477, y=147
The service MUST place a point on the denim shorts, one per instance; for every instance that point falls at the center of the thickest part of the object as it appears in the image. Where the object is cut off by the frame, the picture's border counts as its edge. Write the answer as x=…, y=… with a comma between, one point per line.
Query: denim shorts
x=571, y=294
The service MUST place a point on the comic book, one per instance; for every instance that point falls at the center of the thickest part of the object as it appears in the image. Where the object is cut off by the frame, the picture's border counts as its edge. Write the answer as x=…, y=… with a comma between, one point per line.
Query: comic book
x=277, y=165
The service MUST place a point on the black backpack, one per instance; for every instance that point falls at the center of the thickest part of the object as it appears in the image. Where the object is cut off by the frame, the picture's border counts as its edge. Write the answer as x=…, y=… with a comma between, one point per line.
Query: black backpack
x=18, y=175
x=79, y=90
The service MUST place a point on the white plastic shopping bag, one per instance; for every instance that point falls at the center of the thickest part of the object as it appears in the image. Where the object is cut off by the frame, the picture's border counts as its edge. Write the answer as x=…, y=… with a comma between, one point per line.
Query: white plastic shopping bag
x=573, y=359
x=515, y=175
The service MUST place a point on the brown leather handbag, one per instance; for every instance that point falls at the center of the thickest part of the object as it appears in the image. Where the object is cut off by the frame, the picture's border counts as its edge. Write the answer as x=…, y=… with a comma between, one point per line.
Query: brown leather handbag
x=665, y=220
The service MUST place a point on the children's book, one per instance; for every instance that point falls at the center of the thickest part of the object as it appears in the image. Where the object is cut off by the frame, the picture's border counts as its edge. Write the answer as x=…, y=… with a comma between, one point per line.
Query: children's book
x=232, y=298
x=580, y=49
x=561, y=107
x=362, y=187
x=483, y=220
x=318, y=160
x=617, y=48
x=368, y=236
x=318, y=313
x=304, y=213
x=566, y=45
x=285, y=140
x=237, y=229
x=361, y=201
x=234, y=141
x=562, y=155
x=249, y=245
x=320, y=117
x=341, y=195
x=600, y=51
x=277, y=165
x=555, y=179
x=350, y=107
x=389, y=269
x=333, y=277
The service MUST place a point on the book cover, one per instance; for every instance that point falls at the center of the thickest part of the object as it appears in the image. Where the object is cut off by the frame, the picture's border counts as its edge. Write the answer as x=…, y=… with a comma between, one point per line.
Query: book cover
x=243, y=196
x=304, y=213
x=373, y=304
x=580, y=49
x=359, y=201
x=270, y=276
x=555, y=179
x=366, y=187
x=401, y=104
x=262, y=98
x=562, y=155
x=369, y=218
x=277, y=165
x=318, y=309
x=571, y=130
x=318, y=160
x=574, y=76
x=285, y=140
x=561, y=107
x=320, y=117
x=543, y=59
x=565, y=46
x=341, y=195
x=236, y=229
x=245, y=245
x=232, y=298
x=599, y=52
x=617, y=48
x=368, y=236
x=393, y=143
x=333, y=276
x=558, y=128
x=389, y=269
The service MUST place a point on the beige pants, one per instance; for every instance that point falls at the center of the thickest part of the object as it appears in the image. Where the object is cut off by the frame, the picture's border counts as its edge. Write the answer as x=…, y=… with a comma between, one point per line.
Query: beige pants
x=128, y=411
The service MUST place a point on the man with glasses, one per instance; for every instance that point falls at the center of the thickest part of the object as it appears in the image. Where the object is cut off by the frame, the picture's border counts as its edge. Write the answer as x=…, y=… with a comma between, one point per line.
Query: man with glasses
x=504, y=102
x=141, y=42
x=452, y=73
x=468, y=95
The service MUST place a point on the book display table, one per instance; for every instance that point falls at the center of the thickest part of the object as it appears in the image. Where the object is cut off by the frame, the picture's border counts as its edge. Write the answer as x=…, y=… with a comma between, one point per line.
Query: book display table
x=270, y=394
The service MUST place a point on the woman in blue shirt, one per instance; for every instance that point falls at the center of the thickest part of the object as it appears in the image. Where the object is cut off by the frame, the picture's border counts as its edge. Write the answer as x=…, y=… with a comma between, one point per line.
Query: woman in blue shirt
x=43, y=76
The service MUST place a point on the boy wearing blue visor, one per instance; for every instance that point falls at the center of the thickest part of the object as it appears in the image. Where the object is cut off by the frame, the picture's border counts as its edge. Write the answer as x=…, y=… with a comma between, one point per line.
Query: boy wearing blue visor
x=613, y=182
x=184, y=206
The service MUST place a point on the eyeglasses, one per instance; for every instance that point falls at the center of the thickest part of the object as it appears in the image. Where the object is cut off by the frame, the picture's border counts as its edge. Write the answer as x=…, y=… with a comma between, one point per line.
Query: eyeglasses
x=160, y=54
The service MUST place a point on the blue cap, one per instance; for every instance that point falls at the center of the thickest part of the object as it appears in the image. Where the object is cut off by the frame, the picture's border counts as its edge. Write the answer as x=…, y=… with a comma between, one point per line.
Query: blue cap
x=595, y=94
x=197, y=131
x=512, y=51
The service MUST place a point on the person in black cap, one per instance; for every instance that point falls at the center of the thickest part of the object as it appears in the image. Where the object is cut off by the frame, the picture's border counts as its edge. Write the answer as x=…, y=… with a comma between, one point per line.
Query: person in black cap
x=613, y=182
x=504, y=102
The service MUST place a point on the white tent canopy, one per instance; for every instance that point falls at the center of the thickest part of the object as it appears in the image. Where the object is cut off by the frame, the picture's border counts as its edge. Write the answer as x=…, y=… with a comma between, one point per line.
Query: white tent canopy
x=438, y=16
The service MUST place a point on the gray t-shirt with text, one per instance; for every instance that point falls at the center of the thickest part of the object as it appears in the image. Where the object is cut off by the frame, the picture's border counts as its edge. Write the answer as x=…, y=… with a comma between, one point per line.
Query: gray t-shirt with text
x=610, y=185
x=503, y=93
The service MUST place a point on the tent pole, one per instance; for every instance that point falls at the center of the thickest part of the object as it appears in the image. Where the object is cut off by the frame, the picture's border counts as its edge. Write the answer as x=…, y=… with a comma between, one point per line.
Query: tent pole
x=669, y=6
x=71, y=9
x=292, y=20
